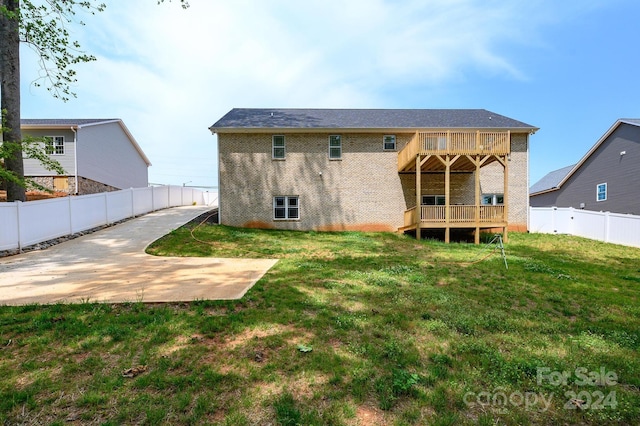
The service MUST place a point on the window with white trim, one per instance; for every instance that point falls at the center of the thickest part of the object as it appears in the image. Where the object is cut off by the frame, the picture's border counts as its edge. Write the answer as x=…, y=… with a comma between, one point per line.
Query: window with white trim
x=335, y=147
x=286, y=207
x=389, y=142
x=433, y=200
x=277, y=147
x=54, y=145
x=492, y=199
x=601, y=192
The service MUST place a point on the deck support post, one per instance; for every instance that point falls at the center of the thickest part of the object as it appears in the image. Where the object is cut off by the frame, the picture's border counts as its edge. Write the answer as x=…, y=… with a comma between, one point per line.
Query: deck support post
x=447, y=200
x=418, y=198
x=477, y=199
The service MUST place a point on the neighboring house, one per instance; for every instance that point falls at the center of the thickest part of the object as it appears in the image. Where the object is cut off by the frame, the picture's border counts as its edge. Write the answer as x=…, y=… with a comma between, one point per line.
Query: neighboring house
x=360, y=169
x=98, y=155
x=607, y=178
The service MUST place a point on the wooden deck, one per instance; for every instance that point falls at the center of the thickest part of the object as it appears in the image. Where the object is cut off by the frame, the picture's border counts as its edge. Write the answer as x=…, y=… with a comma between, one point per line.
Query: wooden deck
x=459, y=217
x=453, y=143
x=451, y=151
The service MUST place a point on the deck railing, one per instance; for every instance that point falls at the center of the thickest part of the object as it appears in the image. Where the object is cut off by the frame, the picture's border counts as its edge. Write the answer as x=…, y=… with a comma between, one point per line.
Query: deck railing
x=457, y=214
x=454, y=143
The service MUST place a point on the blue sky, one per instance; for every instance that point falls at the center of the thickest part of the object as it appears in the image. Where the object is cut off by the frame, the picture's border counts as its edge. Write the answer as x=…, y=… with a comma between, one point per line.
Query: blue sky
x=569, y=67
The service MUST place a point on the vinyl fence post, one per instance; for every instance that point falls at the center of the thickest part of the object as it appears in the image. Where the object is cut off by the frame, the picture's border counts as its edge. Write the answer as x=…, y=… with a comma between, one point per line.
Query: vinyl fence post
x=70, y=216
x=106, y=209
x=133, y=211
x=607, y=226
x=18, y=213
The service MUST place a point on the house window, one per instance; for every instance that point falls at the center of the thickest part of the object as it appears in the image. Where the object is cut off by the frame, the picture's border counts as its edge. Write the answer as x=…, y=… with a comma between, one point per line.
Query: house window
x=433, y=200
x=286, y=207
x=335, y=147
x=277, y=147
x=492, y=199
x=601, y=192
x=389, y=143
x=54, y=145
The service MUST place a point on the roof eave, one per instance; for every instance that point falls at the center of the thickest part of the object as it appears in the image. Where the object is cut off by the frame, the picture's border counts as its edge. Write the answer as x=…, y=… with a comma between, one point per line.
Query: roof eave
x=48, y=126
x=545, y=191
x=247, y=130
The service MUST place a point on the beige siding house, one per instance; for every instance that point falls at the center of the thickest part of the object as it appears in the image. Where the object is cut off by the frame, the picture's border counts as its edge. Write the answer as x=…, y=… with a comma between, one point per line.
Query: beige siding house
x=97, y=155
x=420, y=171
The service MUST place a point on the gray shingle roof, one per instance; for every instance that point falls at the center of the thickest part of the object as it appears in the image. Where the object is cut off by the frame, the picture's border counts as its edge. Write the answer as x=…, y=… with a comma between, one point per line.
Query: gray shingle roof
x=275, y=118
x=551, y=180
x=635, y=121
x=63, y=121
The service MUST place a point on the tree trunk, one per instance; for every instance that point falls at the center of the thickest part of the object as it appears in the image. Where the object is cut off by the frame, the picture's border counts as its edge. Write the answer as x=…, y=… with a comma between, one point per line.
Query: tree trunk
x=10, y=93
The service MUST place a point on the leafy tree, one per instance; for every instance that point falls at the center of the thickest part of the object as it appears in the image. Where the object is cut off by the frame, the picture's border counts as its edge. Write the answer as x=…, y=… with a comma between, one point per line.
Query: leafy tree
x=42, y=25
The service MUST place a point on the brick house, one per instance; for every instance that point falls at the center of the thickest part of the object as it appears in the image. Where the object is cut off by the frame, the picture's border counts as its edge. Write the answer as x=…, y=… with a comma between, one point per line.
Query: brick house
x=368, y=169
x=98, y=155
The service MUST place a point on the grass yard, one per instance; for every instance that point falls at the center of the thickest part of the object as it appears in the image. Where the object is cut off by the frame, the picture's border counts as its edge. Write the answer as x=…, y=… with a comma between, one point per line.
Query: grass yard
x=346, y=329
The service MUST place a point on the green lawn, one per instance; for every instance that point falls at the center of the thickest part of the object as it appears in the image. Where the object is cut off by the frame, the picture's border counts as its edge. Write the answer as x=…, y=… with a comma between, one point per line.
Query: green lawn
x=347, y=328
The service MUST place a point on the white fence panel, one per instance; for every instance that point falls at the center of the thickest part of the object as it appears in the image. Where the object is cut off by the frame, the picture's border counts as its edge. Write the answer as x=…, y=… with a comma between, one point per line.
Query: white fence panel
x=188, y=196
x=624, y=229
x=160, y=197
x=589, y=224
x=175, y=195
x=44, y=220
x=142, y=200
x=119, y=205
x=88, y=212
x=542, y=220
x=210, y=198
x=9, y=235
x=24, y=224
x=615, y=228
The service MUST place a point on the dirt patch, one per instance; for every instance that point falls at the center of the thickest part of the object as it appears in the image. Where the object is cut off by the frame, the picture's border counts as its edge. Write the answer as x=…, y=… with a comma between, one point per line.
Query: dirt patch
x=362, y=227
x=256, y=224
x=370, y=416
x=35, y=195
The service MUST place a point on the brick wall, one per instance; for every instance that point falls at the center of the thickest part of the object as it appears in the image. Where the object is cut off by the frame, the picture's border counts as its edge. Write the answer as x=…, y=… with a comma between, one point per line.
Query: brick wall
x=362, y=191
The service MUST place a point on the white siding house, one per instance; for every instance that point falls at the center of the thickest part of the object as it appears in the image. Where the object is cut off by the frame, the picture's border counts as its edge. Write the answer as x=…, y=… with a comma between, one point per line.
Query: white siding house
x=97, y=155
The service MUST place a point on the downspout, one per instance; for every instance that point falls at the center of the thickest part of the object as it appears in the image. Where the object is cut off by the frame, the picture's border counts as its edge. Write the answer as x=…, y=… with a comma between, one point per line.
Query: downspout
x=75, y=157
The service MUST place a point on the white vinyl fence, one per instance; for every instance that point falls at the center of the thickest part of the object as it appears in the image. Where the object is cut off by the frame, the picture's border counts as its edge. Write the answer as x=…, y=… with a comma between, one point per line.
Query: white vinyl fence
x=609, y=227
x=25, y=224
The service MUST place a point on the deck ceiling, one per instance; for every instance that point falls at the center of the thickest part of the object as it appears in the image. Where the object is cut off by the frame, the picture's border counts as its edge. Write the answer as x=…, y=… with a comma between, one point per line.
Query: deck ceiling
x=462, y=164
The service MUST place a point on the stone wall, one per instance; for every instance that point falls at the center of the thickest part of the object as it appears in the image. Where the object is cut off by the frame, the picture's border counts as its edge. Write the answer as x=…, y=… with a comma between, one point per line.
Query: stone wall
x=88, y=186
x=85, y=186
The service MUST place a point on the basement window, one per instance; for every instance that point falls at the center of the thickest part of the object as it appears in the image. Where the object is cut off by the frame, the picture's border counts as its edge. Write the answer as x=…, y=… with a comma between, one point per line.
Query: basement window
x=286, y=207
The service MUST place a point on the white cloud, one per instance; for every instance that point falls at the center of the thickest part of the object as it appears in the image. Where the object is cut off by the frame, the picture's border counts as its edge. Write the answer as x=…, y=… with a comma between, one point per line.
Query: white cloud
x=170, y=73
